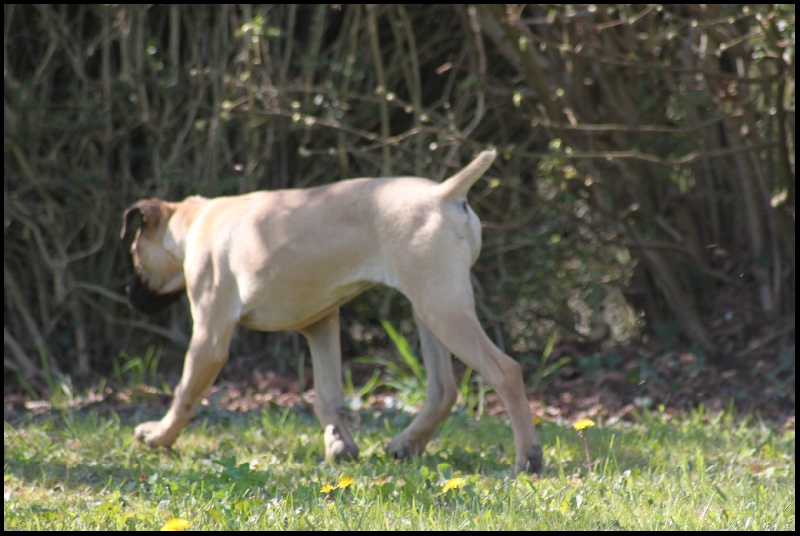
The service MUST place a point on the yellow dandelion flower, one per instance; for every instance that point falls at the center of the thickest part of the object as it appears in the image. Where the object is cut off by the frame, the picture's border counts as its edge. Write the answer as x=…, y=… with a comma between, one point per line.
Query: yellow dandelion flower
x=344, y=482
x=327, y=488
x=537, y=421
x=583, y=424
x=454, y=483
x=176, y=524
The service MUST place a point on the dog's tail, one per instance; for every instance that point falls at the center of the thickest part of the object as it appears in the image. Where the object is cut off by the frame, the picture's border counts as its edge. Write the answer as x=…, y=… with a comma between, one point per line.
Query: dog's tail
x=459, y=184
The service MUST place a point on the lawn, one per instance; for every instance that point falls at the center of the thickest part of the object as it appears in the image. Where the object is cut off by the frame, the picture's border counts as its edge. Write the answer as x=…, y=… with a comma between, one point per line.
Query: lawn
x=263, y=470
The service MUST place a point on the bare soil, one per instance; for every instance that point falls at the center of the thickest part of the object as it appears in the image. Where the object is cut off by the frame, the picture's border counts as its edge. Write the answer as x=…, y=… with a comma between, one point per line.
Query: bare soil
x=757, y=380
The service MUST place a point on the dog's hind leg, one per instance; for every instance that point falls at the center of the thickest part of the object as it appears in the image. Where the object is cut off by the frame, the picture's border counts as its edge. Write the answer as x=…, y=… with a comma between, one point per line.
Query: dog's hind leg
x=445, y=304
x=326, y=358
x=460, y=330
x=441, y=395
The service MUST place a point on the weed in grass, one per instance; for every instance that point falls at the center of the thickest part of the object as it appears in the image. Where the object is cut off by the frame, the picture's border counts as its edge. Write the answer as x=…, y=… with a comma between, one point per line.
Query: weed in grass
x=136, y=370
x=581, y=426
x=355, y=396
x=545, y=369
x=59, y=387
x=408, y=379
x=176, y=523
x=453, y=483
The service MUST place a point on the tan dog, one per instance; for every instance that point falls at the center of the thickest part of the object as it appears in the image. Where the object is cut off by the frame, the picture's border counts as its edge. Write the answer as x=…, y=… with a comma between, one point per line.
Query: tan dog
x=287, y=259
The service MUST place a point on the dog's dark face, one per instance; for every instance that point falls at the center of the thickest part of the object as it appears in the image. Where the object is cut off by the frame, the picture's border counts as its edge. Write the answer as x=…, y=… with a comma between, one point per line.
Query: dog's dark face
x=145, y=300
x=157, y=279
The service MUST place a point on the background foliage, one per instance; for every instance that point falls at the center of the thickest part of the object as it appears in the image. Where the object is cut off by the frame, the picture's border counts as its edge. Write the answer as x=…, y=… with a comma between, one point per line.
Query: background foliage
x=644, y=193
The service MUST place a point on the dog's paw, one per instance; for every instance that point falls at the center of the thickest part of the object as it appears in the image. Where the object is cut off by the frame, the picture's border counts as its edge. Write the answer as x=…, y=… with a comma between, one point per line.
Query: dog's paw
x=532, y=463
x=401, y=447
x=336, y=448
x=153, y=434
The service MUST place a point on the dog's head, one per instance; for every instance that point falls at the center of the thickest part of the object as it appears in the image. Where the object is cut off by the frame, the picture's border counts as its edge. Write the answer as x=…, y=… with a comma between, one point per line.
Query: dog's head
x=157, y=279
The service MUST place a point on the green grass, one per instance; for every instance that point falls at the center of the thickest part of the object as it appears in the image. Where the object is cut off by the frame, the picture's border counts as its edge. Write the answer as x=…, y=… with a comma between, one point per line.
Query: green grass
x=263, y=470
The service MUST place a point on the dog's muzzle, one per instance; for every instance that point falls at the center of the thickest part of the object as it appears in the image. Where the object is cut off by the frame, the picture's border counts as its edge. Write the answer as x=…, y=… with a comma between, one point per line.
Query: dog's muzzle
x=145, y=300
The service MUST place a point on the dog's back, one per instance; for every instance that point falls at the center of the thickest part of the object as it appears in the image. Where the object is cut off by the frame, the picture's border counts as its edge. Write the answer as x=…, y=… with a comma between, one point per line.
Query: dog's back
x=335, y=241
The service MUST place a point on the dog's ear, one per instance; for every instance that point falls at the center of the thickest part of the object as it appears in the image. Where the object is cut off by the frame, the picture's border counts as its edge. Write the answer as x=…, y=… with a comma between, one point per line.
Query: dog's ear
x=149, y=209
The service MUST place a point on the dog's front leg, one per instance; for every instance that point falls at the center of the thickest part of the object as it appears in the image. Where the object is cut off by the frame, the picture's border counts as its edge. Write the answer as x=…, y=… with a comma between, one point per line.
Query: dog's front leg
x=326, y=358
x=204, y=359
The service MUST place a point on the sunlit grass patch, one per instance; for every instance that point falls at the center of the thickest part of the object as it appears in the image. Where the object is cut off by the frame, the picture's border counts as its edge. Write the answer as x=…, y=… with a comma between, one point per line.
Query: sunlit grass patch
x=265, y=471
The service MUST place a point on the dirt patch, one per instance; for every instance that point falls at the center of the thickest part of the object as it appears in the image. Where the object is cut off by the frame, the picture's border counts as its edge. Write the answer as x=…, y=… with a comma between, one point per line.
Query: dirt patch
x=758, y=380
